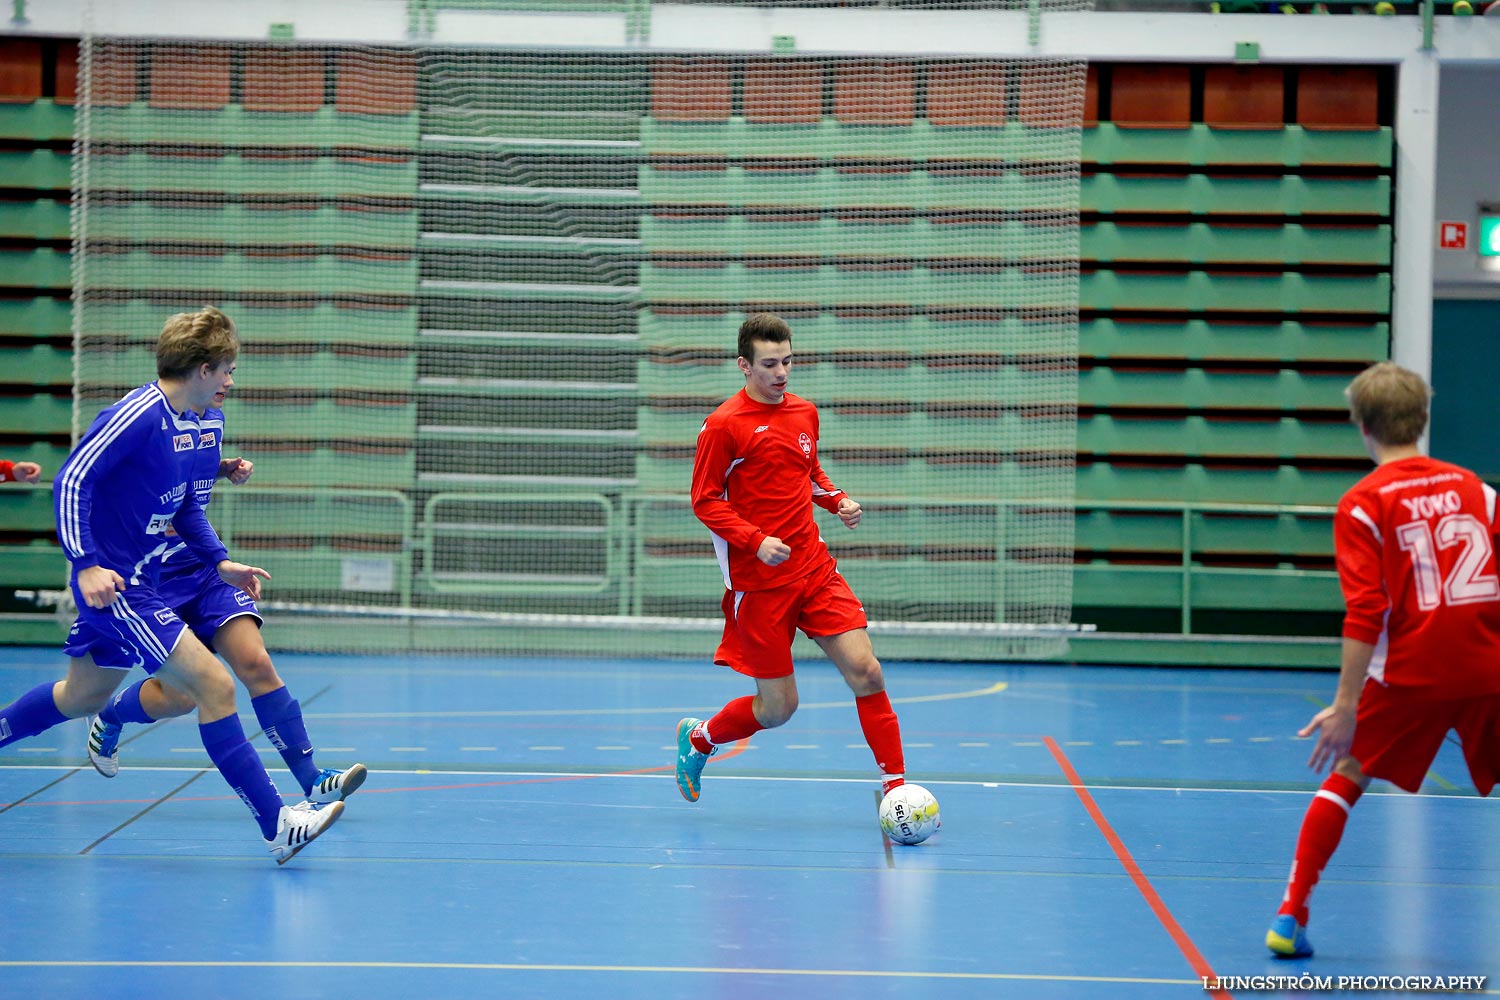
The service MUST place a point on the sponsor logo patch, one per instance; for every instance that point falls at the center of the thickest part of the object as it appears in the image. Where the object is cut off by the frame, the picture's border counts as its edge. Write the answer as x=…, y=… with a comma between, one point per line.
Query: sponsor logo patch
x=166, y=616
x=159, y=524
x=182, y=442
x=208, y=439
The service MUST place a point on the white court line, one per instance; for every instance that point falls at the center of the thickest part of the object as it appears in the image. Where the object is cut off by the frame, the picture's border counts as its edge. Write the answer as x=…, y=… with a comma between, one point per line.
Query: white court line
x=1391, y=794
x=514, y=713
x=701, y=970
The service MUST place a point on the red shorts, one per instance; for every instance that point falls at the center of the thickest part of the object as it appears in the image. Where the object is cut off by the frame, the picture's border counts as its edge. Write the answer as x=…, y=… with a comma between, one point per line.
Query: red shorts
x=759, y=625
x=1396, y=736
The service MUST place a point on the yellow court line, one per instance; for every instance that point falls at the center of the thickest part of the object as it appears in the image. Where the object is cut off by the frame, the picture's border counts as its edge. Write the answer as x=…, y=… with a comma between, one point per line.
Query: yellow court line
x=995, y=688
x=551, y=967
x=513, y=713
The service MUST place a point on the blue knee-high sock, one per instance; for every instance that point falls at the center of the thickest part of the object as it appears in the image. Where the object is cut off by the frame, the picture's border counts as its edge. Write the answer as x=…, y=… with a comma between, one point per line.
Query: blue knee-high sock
x=34, y=712
x=238, y=762
x=280, y=715
x=126, y=707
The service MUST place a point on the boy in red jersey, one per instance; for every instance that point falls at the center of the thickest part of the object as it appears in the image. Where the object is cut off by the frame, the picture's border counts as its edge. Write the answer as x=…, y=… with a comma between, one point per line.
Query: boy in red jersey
x=755, y=479
x=1414, y=542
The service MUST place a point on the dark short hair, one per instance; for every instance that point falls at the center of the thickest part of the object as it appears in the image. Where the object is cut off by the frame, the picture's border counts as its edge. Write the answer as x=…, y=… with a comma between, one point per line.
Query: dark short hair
x=763, y=327
x=190, y=339
x=1390, y=403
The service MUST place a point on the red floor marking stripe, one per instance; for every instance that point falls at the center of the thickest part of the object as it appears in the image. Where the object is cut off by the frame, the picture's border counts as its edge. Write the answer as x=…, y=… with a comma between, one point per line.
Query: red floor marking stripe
x=1143, y=885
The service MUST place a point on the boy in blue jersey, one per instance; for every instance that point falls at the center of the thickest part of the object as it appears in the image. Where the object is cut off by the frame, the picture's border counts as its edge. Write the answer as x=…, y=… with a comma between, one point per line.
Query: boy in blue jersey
x=121, y=488
x=227, y=621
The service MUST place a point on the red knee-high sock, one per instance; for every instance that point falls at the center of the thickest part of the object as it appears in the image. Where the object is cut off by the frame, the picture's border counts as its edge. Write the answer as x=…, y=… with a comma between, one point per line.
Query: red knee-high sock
x=734, y=722
x=1322, y=828
x=883, y=733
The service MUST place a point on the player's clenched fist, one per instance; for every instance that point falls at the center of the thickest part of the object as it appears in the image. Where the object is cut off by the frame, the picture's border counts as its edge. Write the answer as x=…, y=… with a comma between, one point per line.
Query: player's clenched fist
x=773, y=551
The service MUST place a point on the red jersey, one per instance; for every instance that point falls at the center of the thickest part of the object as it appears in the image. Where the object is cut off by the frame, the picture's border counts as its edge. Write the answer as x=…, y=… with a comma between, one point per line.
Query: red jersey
x=756, y=474
x=1415, y=547
x=7, y=472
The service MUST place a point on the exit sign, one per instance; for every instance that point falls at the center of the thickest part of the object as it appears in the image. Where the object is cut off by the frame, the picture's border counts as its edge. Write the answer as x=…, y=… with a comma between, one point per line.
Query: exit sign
x=1489, y=236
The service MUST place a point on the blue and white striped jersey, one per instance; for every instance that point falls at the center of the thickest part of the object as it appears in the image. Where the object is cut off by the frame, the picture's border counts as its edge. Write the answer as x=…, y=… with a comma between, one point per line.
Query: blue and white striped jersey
x=126, y=481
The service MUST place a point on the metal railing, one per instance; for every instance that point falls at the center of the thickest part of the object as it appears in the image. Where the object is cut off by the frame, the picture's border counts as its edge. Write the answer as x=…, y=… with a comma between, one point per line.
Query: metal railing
x=412, y=551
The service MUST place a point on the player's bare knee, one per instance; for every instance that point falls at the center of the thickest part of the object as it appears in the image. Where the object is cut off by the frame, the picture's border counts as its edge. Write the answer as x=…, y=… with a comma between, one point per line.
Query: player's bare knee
x=214, y=693
x=1349, y=768
x=865, y=677
x=257, y=673
x=773, y=719
x=774, y=712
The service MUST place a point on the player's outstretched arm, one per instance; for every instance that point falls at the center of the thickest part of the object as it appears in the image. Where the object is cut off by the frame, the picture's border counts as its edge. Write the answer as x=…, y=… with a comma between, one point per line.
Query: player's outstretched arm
x=1334, y=725
x=246, y=578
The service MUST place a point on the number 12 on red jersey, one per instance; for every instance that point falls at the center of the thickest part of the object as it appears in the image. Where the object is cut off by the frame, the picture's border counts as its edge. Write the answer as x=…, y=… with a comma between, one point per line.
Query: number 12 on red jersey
x=1467, y=582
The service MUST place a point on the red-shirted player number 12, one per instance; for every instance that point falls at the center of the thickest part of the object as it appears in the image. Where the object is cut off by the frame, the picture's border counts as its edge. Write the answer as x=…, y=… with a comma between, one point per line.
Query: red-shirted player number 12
x=1467, y=582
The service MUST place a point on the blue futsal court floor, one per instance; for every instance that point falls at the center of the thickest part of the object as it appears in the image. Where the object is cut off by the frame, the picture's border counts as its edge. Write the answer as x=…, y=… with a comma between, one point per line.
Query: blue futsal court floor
x=1107, y=833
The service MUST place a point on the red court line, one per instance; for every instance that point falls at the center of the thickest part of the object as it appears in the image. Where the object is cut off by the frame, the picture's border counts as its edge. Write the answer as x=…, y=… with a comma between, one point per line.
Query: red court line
x=1143, y=885
x=734, y=751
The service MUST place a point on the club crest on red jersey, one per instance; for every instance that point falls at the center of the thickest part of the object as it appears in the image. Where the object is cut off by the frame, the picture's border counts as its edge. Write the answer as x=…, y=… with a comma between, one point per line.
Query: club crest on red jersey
x=805, y=442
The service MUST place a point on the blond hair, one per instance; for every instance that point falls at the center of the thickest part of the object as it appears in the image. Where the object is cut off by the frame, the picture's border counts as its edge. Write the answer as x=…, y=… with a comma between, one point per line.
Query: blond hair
x=190, y=339
x=1390, y=403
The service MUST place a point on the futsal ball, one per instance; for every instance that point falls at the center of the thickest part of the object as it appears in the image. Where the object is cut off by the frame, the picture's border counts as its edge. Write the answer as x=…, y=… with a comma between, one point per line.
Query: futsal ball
x=1385, y=8
x=1462, y=7
x=909, y=814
